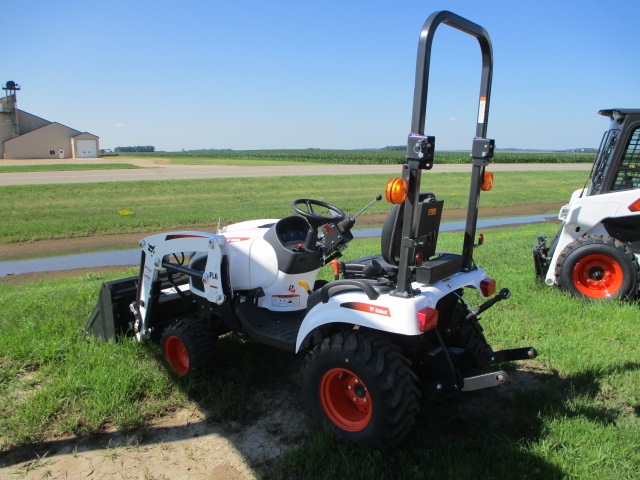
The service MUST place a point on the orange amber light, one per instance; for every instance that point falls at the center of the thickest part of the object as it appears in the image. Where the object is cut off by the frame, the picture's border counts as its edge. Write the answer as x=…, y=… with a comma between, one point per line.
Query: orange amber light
x=397, y=190
x=487, y=183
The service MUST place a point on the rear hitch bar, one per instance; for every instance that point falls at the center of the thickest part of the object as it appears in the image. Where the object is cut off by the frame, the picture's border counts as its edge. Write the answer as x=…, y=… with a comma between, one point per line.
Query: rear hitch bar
x=487, y=380
x=511, y=354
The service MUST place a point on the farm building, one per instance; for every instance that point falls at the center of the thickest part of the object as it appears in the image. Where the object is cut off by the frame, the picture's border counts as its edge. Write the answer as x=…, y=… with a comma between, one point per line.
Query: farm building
x=23, y=135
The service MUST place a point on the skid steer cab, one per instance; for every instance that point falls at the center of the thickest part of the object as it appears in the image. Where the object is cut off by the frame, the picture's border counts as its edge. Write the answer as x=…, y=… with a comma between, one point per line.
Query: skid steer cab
x=594, y=255
x=388, y=330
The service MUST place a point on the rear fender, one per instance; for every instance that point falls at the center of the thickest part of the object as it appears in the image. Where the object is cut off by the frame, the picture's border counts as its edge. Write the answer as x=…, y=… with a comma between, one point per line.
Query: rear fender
x=387, y=313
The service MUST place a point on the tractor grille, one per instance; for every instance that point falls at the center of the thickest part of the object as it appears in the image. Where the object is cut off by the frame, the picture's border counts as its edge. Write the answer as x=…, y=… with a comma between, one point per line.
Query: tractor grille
x=628, y=176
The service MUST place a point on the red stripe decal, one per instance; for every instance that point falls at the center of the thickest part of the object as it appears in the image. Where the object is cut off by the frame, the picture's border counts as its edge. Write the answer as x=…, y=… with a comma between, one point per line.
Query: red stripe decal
x=237, y=239
x=367, y=308
x=175, y=237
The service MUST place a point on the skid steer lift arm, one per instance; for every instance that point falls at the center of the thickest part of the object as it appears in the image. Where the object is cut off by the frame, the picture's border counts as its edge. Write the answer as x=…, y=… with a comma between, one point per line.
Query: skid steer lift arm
x=420, y=148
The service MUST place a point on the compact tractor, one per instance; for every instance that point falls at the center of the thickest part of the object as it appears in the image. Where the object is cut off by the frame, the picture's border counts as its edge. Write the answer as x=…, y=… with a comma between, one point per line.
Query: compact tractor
x=389, y=330
x=595, y=253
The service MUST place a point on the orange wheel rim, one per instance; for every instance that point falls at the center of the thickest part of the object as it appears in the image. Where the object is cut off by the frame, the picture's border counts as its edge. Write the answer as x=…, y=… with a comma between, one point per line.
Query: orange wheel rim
x=597, y=276
x=345, y=399
x=176, y=354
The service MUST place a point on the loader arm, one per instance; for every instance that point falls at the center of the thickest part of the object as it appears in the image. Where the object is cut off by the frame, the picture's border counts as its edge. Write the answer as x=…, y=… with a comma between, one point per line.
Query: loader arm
x=155, y=248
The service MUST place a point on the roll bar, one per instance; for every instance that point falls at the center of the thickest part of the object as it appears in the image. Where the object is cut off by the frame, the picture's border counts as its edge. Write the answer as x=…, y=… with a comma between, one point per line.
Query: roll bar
x=421, y=148
x=424, y=61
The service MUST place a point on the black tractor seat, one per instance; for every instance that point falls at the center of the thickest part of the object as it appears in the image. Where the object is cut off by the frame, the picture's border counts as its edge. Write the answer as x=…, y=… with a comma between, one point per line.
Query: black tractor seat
x=437, y=265
x=370, y=267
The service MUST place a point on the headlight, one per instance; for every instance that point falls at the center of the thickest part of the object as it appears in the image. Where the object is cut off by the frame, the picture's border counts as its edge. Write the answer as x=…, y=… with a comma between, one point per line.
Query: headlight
x=564, y=213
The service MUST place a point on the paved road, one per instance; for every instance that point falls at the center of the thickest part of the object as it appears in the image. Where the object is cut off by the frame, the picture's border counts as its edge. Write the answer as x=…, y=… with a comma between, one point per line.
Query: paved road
x=169, y=172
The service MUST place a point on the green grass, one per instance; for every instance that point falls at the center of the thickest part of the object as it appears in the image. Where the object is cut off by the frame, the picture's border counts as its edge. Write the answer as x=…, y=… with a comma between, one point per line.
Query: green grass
x=32, y=212
x=574, y=414
x=363, y=157
x=65, y=167
x=55, y=379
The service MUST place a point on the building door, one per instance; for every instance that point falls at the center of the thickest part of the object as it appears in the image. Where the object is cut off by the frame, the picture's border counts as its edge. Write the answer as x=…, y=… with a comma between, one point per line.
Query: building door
x=86, y=149
x=61, y=154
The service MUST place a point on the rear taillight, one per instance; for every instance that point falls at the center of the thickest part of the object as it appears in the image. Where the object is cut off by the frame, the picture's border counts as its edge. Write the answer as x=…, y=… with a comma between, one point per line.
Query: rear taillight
x=488, y=287
x=427, y=319
x=635, y=206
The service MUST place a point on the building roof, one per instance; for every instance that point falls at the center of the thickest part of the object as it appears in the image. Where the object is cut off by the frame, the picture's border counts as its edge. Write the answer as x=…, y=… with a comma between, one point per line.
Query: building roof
x=38, y=130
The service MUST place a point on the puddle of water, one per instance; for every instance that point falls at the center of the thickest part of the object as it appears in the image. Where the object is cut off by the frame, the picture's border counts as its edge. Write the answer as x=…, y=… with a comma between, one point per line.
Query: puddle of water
x=459, y=225
x=132, y=257
x=70, y=262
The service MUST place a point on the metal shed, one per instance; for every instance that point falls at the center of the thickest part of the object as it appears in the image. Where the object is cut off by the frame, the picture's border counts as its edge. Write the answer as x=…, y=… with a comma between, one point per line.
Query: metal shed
x=24, y=135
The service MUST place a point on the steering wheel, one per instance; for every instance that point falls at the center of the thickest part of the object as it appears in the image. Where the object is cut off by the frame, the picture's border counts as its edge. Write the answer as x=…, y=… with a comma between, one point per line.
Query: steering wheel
x=313, y=218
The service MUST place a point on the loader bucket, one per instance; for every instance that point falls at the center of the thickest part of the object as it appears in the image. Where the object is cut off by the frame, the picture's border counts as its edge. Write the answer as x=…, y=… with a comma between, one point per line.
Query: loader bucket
x=111, y=315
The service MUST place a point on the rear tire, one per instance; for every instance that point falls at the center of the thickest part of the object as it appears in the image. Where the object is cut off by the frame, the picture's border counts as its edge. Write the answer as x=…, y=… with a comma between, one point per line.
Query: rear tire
x=362, y=388
x=596, y=267
x=187, y=346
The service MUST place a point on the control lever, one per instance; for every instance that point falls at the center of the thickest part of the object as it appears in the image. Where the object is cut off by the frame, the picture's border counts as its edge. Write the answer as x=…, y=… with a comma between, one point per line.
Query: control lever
x=350, y=221
x=377, y=199
x=502, y=295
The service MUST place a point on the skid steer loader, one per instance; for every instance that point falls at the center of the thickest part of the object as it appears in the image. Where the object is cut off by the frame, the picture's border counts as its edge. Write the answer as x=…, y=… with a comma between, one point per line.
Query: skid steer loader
x=595, y=253
x=390, y=329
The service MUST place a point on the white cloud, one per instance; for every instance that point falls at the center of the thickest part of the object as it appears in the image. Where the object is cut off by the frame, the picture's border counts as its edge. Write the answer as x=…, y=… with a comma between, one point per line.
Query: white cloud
x=453, y=119
x=118, y=125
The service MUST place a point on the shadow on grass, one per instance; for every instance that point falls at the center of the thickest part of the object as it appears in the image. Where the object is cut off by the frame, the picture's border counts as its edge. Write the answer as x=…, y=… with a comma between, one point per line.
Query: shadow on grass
x=483, y=434
x=250, y=399
x=247, y=404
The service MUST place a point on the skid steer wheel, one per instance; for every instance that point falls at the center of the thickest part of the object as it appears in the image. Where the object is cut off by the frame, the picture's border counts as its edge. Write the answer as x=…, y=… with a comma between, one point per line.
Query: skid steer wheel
x=187, y=346
x=598, y=267
x=361, y=387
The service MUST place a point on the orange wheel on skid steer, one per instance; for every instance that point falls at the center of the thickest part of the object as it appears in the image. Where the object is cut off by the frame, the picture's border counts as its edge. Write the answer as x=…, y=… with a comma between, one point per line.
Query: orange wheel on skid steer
x=361, y=387
x=598, y=267
x=187, y=346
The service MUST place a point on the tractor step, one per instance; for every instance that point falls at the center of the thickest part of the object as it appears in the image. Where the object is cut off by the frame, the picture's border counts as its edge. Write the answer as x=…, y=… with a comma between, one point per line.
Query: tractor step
x=277, y=329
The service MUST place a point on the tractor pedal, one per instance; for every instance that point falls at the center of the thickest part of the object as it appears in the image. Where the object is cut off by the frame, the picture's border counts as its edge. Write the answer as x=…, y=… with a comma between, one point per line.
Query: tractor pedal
x=487, y=380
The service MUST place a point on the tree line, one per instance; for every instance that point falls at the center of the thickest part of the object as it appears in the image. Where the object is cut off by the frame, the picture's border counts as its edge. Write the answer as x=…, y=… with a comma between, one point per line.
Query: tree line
x=146, y=148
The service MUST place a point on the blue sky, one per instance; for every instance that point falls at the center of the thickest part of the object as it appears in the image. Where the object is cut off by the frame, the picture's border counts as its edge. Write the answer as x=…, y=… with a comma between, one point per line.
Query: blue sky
x=333, y=74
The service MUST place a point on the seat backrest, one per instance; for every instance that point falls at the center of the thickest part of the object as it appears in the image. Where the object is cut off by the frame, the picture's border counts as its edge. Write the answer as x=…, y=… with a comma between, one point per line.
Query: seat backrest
x=392, y=235
x=430, y=211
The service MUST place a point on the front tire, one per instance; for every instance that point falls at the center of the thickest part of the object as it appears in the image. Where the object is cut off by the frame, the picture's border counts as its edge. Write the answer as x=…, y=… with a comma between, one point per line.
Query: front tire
x=187, y=346
x=361, y=387
x=598, y=268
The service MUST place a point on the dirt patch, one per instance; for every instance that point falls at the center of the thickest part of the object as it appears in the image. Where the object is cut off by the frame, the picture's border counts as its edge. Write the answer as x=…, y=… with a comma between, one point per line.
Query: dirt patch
x=26, y=278
x=80, y=244
x=183, y=445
